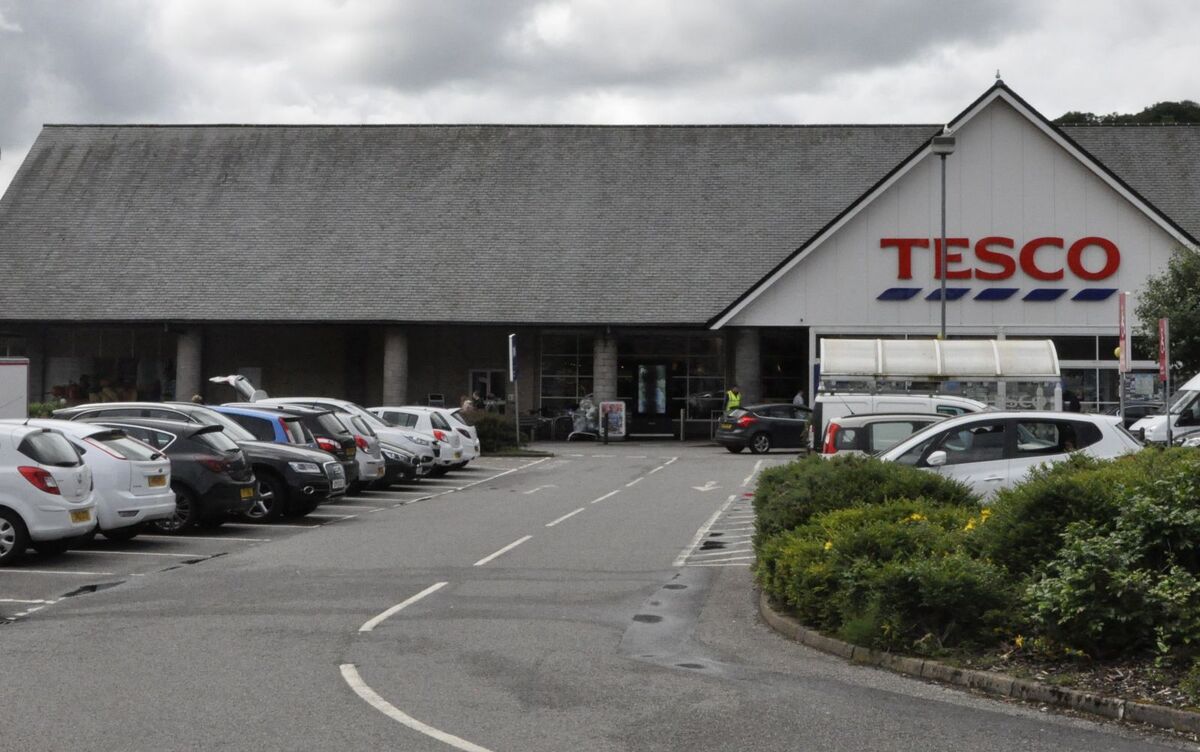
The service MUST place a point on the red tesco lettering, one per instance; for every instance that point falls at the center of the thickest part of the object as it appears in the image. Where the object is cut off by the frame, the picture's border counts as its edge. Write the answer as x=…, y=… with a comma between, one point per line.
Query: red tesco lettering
x=1037, y=258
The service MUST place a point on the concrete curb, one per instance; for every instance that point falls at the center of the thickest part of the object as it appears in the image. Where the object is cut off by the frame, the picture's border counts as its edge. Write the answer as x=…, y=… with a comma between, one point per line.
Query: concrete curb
x=984, y=681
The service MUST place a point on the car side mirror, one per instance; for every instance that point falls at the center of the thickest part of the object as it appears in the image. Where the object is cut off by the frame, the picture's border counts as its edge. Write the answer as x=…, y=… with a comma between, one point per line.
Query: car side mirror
x=936, y=459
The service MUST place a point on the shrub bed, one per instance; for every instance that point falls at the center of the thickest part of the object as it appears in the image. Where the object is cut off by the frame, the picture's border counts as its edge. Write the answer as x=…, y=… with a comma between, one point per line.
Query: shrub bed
x=496, y=433
x=1086, y=559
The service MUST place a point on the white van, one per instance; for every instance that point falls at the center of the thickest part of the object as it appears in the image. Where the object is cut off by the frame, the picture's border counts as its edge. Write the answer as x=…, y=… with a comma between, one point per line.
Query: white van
x=833, y=405
x=1185, y=416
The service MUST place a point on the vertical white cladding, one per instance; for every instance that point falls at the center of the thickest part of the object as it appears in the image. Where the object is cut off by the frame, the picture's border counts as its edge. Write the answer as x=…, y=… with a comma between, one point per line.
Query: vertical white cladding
x=1007, y=178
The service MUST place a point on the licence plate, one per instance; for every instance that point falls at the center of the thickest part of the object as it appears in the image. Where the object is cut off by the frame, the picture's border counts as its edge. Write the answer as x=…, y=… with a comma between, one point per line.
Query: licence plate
x=350, y=453
x=338, y=484
x=248, y=492
x=726, y=425
x=81, y=515
x=379, y=471
x=158, y=481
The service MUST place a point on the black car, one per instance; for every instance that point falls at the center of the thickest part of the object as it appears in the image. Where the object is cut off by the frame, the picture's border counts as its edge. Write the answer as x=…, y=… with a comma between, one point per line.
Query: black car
x=330, y=433
x=293, y=480
x=1136, y=410
x=209, y=473
x=764, y=427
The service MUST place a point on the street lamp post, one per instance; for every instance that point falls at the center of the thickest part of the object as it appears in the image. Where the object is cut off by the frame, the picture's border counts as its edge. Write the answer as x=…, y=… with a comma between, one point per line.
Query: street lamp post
x=943, y=146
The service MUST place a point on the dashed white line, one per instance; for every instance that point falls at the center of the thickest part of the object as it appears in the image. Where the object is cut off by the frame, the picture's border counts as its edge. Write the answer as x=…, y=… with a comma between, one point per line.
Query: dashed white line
x=730, y=560
x=373, y=622
x=502, y=551
x=352, y=678
x=608, y=495
x=566, y=516
x=269, y=525
x=668, y=462
x=757, y=466
x=634, y=482
x=703, y=531
x=26, y=601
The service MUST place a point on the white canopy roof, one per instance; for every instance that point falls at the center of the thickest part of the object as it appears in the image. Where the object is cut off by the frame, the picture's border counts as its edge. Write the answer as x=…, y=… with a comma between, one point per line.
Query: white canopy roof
x=938, y=360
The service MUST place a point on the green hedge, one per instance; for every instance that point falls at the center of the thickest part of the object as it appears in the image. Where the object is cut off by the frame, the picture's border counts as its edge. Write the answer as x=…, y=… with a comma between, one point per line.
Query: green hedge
x=1101, y=557
x=892, y=575
x=789, y=495
x=496, y=432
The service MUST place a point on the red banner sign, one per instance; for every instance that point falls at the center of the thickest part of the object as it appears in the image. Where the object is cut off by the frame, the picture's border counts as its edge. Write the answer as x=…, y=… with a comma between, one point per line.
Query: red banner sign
x=1164, y=338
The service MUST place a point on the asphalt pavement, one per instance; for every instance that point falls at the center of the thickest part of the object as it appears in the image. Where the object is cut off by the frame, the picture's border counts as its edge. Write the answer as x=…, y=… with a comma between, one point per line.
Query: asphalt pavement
x=600, y=599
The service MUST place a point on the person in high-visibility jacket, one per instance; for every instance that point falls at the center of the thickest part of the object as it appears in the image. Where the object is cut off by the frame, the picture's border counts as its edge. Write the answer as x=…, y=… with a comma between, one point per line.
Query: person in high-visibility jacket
x=733, y=398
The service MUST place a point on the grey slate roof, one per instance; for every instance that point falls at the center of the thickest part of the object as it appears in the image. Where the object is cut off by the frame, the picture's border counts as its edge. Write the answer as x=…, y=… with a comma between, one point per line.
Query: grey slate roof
x=512, y=224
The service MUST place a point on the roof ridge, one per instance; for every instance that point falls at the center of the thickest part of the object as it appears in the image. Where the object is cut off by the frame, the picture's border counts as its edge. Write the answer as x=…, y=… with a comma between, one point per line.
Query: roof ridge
x=491, y=125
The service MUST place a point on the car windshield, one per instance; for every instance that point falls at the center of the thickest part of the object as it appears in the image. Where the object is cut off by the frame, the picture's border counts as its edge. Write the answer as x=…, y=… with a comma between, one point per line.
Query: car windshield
x=49, y=448
x=217, y=440
x=227, y=424
x=458, y=417
x=333, y=424
x=116, y=442
x=296, y=433
x=360, y=425
x=1181, y=401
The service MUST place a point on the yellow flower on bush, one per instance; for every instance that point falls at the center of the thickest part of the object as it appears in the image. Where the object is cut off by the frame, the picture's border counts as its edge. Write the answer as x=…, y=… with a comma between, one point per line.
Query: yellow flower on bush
x=983, y=516
x=1019, y=641
x=970, y=525
x=828, y=545
x=916, y=517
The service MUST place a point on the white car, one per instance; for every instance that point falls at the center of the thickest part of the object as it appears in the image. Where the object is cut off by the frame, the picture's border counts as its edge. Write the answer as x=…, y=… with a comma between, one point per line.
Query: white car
x=446, y=424
x=424, y=446
x=994, y=450
x=1184, y=416
x=45, y=492
x=132, y=479
x=371, y=465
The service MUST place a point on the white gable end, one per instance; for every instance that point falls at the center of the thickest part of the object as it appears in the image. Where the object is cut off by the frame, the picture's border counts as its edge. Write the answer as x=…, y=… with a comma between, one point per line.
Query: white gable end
x=1007, y=181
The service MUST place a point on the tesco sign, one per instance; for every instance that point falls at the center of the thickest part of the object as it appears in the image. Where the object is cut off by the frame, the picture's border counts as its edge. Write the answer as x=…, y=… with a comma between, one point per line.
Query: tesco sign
x=996, y=257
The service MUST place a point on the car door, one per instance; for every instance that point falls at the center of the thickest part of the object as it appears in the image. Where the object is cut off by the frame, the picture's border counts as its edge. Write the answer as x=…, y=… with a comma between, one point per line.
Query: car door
x=976, y=453
x=787, y=431
x=1040, y=441
x=886, y=434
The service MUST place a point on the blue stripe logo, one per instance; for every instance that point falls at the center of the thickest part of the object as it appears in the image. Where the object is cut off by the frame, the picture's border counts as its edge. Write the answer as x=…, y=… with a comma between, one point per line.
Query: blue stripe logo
x=996, y=294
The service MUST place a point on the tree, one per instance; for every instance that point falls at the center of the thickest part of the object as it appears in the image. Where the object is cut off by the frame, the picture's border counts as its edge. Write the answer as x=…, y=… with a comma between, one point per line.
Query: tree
x=1161, y=113
x=1175, y=295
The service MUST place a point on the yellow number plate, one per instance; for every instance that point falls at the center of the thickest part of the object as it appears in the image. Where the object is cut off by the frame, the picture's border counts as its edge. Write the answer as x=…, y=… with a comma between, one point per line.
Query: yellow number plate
x=81, y=515
x=158, y=481
x=726, y=425
x=247, y=493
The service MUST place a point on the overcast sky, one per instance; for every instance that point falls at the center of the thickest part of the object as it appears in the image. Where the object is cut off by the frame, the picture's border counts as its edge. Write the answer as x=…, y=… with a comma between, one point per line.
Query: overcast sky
x=576, y=61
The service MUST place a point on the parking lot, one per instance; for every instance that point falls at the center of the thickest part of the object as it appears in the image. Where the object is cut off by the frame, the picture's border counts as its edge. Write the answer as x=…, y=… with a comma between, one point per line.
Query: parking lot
x=39, y=582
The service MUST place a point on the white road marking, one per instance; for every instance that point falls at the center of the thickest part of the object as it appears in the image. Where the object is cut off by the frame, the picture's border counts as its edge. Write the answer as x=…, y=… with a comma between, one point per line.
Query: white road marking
x=10, y=570
x=269, y=525
x=28, y=601
x=204, y=538
x=604, y=455
x=668, y=462
x=757, y=466
x=608, y=495
x=539, y=488
x=502, y=551
x=703, y=531
x=634, y=482
x=334, y=517
x=332, y=507
x=720, y=564
x=352, y=678
x=709, y=486
x=374, y=621
x=566, y=516
x=726, y=561
x=137, y=553
x=707, y=554
x=736, y=528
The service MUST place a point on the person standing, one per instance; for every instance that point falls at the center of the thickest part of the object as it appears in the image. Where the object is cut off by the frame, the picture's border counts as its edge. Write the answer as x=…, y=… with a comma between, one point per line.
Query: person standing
x=733, y=398
x=798, y=400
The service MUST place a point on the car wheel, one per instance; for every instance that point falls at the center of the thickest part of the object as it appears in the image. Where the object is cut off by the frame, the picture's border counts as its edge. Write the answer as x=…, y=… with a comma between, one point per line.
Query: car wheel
x=761, y=443
x=123, y=534
x=272, y=502
x=735, y=449
x=185, y=513
x=53, y=547
x=14, y=539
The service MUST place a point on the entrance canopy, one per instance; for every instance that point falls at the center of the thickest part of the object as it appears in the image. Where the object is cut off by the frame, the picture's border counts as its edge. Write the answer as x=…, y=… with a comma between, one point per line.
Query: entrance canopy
x=939, y=360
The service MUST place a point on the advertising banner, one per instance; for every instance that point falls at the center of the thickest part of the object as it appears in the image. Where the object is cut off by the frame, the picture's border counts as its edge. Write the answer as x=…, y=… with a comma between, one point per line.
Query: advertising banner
x=1164, y=349
x=612, y=417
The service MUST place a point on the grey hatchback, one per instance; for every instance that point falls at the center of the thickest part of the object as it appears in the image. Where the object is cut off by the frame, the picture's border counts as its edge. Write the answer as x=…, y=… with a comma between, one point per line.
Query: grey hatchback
x=763, y=427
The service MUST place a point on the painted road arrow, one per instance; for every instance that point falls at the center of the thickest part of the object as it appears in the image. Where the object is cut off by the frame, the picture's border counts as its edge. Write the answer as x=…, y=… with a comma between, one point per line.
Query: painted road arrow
x=709, y=486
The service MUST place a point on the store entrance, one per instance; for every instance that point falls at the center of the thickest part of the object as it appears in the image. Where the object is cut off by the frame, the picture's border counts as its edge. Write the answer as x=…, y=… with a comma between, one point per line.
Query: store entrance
x=652, y=398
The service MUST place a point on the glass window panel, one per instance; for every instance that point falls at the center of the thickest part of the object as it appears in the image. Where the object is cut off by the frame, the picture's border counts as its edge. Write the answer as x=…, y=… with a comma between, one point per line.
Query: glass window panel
x=558, y=387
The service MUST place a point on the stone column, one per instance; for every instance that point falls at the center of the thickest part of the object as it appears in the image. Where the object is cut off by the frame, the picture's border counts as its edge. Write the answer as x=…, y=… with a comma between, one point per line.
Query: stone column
x=188, y=351
x=395, y=366
x=747, y=366
x=604, y=367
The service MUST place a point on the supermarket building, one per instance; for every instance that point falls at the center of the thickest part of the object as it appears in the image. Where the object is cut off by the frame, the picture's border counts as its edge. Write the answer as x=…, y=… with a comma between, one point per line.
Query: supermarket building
x=655, y=264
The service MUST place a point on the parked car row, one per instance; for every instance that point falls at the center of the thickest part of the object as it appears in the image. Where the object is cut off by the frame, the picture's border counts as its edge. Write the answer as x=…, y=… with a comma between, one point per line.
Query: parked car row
x=118, y=468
